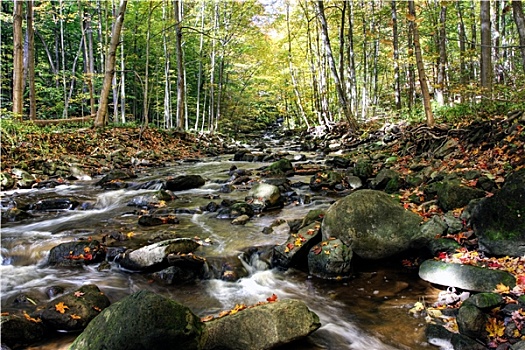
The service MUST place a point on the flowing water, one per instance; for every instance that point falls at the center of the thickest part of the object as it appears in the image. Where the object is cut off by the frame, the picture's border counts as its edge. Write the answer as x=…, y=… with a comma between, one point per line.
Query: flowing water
x=368, y=311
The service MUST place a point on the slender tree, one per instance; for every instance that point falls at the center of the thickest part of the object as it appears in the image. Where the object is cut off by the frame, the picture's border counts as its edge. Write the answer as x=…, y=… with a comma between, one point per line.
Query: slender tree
x=395, y=47
x=18, y=60
x=420, y=66
x=31, y=60
x=331, y=62
x=101, y=118
x=181, y=96
x=486, y=52
x=519, y=19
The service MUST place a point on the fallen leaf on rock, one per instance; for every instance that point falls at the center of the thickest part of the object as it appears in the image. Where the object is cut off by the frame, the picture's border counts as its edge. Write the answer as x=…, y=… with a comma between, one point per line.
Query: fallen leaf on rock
x=207, y=318
x=272, y=298
x=31, y=319
x=75, y=317
x=78, y=294
x=61, y=307
x=502, y=289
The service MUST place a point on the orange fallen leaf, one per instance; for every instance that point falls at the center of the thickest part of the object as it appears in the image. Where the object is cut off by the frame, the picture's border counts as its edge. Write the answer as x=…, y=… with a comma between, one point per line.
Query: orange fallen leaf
x=31, y=319
x=61, y=307
x=272, y=298
x=207, y=318
x=96, y=308
x=75, y=317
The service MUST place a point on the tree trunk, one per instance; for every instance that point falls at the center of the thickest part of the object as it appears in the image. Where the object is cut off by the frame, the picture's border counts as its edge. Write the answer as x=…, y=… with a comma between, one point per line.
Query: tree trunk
x=462, y=38
x=168, y=123
x=31, y=61
x=18, y=61
x=87, y=34
x=331, y=62
x=145, y=92
x=395, y=43
x=292, y=69
x=519, y=19
x=420, y=67
x=442, y=62
x=351, y=85
x=101, y=118
x=181, y=96
x=63, y=56
x=199, y=77
x=486, y=39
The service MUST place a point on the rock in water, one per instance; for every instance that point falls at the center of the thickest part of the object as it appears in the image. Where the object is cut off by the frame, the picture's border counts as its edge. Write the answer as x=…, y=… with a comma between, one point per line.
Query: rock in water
x=142, y=321
x=372, y=224
x=261, y=327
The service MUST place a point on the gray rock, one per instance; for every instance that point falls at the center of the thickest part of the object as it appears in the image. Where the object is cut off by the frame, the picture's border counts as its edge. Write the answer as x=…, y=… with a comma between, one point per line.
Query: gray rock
x=429, y=230
x=354, y=182
x=262, y=327
x=372, y=224
x=363, y=169
x=471, y=321
x=462, y=342
x=80, y=307
x=330, y=260
x=19, y=332
x=466, y=277
x=295, y=250
x=386, y=179
x=264, y=195
x=157, y=254
x=485, y=300
x=499, y=221
x=142, y=321
x=77, y=253
x=452, y=195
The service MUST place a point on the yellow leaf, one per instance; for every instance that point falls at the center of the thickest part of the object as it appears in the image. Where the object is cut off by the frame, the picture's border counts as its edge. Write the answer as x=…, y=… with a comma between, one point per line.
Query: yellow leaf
x=495, y=328
x=502, y=289
x=61, y=307
x=31, y=319
x=75, y=317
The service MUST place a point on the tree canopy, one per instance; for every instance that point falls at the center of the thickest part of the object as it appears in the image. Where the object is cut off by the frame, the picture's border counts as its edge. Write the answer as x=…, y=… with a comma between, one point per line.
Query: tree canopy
x=233, y=66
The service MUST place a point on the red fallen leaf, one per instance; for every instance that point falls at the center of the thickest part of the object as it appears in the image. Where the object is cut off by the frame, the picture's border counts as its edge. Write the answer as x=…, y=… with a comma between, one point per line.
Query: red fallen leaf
x=317, y=250
x=290, y=246
x=520, y=279
x=442, y=255
x=272, y=298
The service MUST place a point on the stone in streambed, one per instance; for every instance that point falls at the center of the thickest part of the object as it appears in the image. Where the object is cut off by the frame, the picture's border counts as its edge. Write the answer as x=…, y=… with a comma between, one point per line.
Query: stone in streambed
x=185, y=182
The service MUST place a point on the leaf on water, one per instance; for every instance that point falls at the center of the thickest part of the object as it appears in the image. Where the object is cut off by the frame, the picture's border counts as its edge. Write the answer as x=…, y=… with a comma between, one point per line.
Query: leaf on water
x=61, y=307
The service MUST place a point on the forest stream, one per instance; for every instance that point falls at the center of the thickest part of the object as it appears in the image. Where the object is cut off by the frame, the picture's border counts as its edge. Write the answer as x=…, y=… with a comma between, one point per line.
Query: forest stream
x=368, y=311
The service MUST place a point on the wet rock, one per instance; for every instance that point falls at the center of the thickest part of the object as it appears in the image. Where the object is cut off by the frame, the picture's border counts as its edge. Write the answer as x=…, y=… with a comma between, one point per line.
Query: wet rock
x=115, y=179
x=363, y=169
x=18, y=331
x=462, y=342
x=54, y=204
x=157, y=219
x=174, y=275
x=241, y=220
x=264, y=196
x=75, y=310
x=485, y=301
x=443, y=245
x=156, y=255
x=354, y=182
x=386, y=179
x=281, y=167
x=326, y=179
x=472, y=321
x=452, y=194
x=330, y=260
x=499, y=221
x=144, y=320
x=295, y=250
x=14, y=215
x=149, y=185
x=372, y=224
x=76, y=254
x=185, y=182
x=434, y=227
x=262, y=327
x=468, y=277
x=235, y=210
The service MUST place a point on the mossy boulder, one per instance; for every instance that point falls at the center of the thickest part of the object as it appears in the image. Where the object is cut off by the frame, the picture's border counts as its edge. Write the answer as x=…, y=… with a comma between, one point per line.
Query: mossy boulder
x=143, y=320
x=499, y=221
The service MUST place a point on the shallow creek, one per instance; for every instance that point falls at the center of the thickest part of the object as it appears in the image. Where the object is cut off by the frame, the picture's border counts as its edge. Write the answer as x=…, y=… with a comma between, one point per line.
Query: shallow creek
x=368, y=311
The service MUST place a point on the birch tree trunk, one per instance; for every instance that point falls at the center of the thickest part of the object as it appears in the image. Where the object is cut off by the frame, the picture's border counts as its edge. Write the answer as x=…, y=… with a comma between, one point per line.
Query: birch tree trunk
x=63, y=56
x=145, y=92
x=420, y=67
x=101, y=118
x=519, y=19
x=199, y=77
x=442, y=62
x=351, y=85
x=181, y=96
x=395, y=44
x=18, y=61
x=331, y=62
x=486, y=39
x=31, y=61
x=168, y=122
x=462, y=38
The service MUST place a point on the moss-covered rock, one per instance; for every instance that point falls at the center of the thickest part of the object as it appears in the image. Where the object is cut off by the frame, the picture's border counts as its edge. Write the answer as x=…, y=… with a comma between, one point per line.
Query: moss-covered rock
x=143, y=320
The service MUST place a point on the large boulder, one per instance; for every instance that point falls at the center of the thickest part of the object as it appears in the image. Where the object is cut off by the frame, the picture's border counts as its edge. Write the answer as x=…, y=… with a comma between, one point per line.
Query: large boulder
x=499, y=221
x=261, y=327
x=20, y=330
x=452, y=194
x=156, y=254
x=468, y=277
x=73, y=311
x=372, y=224
x=142, y=321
